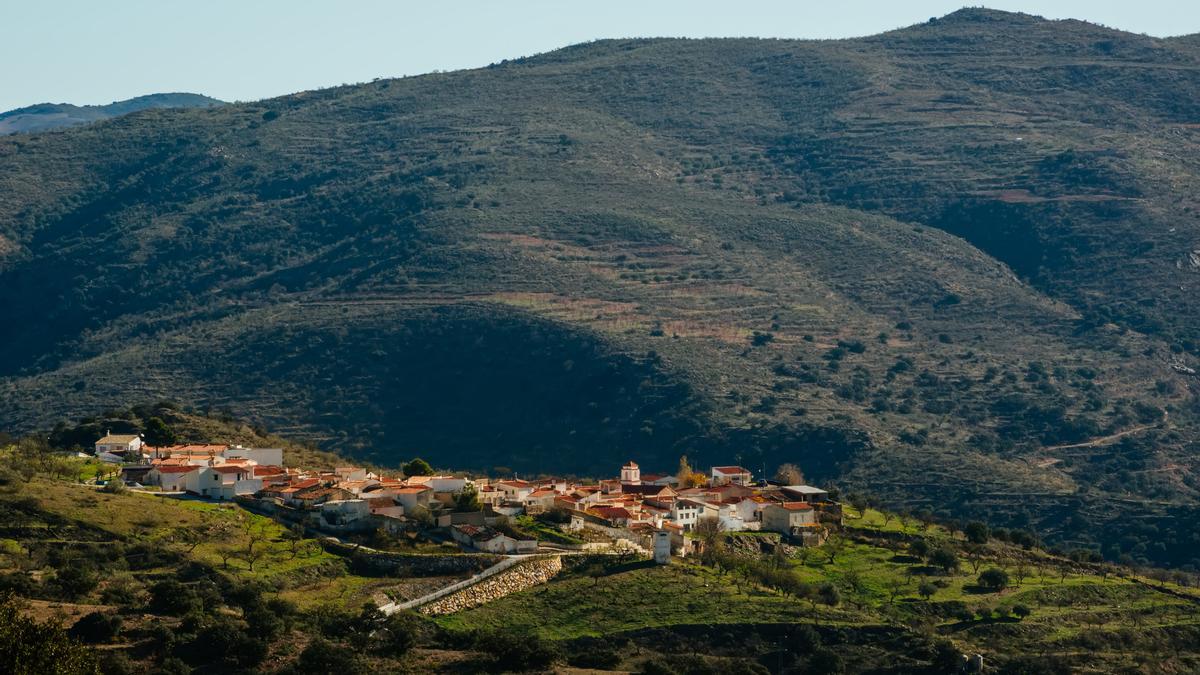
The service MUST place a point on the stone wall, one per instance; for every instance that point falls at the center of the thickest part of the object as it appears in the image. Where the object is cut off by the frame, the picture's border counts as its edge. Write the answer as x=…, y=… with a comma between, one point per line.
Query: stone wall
x=525, y=575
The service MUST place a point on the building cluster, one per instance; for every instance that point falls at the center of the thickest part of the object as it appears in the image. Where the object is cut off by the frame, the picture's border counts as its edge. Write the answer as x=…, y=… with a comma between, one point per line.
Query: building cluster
x=644, y=509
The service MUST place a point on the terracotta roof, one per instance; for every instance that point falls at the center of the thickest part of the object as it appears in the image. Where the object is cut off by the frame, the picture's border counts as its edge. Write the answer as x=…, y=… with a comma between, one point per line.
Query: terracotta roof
x=229, y=469
x=541, y=493
x=119, y=438
x=630, y=465
x=795, y=506
x=610, y=512
x=412, y=489
x=268, y=470
x=727, y=470
x=175, y=468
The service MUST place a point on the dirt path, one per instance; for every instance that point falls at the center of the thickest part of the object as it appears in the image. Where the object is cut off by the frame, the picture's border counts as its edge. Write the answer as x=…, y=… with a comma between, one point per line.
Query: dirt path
x=1105, y=440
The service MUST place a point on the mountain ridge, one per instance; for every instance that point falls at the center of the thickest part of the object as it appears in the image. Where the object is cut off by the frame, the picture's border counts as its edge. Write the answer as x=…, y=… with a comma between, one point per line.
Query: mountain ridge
x=47, y=116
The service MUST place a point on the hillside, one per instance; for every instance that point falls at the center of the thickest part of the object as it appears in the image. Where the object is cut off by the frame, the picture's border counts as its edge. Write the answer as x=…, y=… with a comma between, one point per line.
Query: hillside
x=48, y=116
x=954, y=265
x=152, y=584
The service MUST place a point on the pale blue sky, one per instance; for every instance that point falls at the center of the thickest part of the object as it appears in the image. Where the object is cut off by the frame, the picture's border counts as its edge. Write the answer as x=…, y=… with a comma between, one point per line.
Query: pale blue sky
x=94, y=51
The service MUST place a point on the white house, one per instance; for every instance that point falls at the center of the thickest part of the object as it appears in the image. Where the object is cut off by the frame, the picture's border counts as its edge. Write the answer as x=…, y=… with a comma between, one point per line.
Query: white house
x=170, y=477
x=119, y=447
x=411, y=496
x=806, y=493
x=491, y=541
x=686, y=512
x=788, y=517
x=447, y=484
x=736, y=475
x=515, y=490
x=268, y=456
x=222, y=482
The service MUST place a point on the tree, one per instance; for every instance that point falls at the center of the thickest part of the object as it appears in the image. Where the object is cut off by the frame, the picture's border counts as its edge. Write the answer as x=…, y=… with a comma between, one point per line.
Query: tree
x=417, y=467
x=834, y=548
x=322, y=656
x=927, y=590
x=789, y=474
x=709, y=531
x=977, y=532
x=993, y=579
x=96, y=628
x=860, y=502
x=896, y=587
x=919, y=548
x=945, y=558
x=31, y=648
x=75, y=580
x=158, y=433
x=1021, y=611
x=829, y=594
x=685, y=471
x=467, y=501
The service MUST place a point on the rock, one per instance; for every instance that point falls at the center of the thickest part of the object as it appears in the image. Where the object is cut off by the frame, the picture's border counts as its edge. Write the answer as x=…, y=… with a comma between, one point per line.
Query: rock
x=520, y=577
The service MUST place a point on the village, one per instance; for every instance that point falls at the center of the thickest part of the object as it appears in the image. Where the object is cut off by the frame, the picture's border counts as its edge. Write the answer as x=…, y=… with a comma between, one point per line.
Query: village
x=652, y=512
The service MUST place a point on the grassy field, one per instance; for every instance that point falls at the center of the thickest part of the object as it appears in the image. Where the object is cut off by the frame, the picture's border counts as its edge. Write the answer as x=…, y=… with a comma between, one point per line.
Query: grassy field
x=1117, y=619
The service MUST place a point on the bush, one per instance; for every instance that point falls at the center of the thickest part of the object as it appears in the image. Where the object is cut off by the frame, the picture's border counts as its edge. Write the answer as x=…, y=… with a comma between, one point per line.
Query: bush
x=977, y=532
x=1021, y=611
x=993, y=579
x=74, y=581
x=96, y=628
x=172, y=598
x=322, y=656
x=518, y=652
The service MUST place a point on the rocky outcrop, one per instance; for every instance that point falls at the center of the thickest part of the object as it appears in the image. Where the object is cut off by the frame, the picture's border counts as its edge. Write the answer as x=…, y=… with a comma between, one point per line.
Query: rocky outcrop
x=520, y=577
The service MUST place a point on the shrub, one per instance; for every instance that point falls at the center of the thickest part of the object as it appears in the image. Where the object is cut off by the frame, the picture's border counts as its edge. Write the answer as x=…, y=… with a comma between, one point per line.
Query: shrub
x=518, y=652
x=96, y=628
x=993, y=578
x=977, y=532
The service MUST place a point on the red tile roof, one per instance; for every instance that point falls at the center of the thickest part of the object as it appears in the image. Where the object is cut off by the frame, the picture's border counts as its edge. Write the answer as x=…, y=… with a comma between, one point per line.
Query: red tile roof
x=727, y=470
x=229, y=469
x=175, y=468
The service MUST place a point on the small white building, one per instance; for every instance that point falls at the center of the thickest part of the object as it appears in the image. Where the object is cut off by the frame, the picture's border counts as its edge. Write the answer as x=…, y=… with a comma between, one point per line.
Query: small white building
x=788, y=517
x=222, y=482
x=731, y=475
x=125, y=447
x=265, y=456
x=806, y=493
x=170, y=477
x=447, y=484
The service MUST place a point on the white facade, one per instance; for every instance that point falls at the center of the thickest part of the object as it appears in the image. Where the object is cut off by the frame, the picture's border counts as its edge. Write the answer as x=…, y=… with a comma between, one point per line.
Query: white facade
x=265, y=456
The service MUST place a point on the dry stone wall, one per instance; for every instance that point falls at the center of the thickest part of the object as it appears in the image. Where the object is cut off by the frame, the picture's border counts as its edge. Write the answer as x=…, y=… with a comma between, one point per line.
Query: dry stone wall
x=520, y=577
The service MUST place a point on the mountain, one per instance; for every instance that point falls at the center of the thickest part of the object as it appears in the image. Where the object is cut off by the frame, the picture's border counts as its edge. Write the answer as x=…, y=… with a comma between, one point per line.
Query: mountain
x=47, y=116
x=955, y=265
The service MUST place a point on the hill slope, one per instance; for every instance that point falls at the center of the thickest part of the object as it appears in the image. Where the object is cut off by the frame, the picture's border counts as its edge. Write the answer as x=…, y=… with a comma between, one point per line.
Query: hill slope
x=47, y=116
x=954, y=264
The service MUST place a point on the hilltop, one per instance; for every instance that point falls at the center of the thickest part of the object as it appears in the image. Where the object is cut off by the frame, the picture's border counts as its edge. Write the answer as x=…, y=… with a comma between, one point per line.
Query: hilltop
x=48, y=116
x=957, y=263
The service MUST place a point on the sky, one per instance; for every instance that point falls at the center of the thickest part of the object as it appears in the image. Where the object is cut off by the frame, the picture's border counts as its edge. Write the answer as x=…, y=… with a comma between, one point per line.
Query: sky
x=91, y=52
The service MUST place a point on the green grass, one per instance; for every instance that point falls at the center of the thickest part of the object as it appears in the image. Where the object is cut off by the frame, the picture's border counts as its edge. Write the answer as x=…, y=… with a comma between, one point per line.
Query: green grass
x=545, y=532
x=644, y=596
x=160, y=520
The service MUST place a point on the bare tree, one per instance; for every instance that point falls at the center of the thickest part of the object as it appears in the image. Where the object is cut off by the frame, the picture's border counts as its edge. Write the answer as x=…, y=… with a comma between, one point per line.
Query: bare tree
x=709, y=530
x=789, y=474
